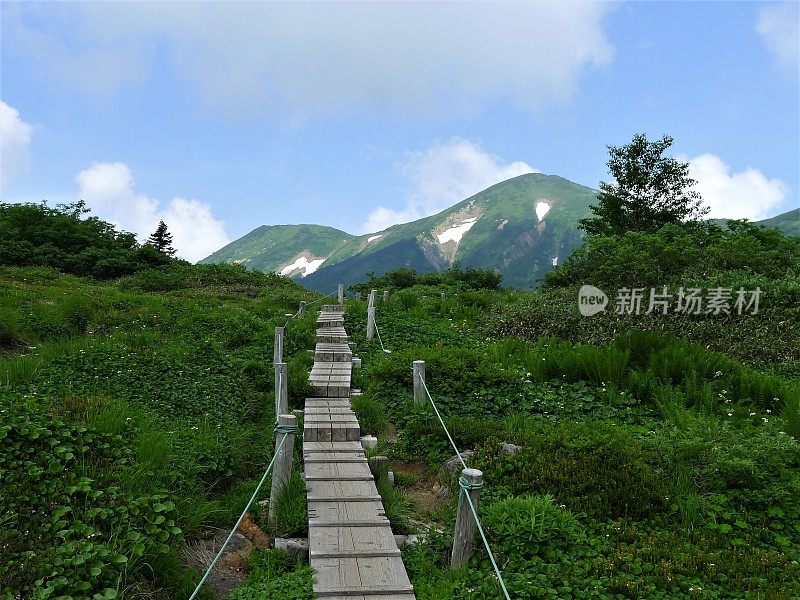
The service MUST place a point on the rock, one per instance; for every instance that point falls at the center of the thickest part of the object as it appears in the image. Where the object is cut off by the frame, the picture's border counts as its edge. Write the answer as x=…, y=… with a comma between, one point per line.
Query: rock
x=511, y=448
x=441, y=492
x=296, y=547
x=454, y=464
x=404, y=541
x=368, y=441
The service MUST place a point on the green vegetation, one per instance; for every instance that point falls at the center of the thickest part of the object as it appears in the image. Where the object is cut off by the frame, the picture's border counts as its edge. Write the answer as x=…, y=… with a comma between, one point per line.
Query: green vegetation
x=134, y=413
x=649, y=456
x=648, y=192
x=624, y=456
x=35, y=235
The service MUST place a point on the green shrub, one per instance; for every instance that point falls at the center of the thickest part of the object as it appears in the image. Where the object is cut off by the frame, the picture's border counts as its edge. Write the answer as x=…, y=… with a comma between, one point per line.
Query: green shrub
x=9, y=327
x=526, y=526
x=592, y=468
x=85, y=532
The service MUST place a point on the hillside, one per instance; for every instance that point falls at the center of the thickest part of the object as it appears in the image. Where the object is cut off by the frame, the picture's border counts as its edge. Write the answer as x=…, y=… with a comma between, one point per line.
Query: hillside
x=291, y=250
x=519, y=227
x=137, y=417
x=788, y=223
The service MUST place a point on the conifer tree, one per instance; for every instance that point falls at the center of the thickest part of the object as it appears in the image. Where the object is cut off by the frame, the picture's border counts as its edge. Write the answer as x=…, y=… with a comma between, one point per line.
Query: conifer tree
x=161, y=240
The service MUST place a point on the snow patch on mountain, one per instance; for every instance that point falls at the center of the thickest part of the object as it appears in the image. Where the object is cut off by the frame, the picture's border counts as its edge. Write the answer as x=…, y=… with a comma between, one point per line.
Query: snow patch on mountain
x=302, y=265
x=372, y=238
x=542, y=208
x=454, y=234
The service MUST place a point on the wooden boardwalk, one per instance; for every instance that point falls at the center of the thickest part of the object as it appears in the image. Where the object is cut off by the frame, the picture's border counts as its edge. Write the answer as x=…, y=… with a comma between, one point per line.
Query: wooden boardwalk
x=351, y=546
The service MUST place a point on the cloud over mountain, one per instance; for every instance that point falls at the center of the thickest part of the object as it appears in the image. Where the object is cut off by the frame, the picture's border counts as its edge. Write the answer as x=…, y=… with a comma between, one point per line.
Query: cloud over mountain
x=444, y=174
x=108, y=189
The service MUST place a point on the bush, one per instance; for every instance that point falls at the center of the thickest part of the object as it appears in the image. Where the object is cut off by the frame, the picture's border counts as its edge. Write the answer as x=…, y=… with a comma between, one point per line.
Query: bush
x=526, y=526
x=592, y=468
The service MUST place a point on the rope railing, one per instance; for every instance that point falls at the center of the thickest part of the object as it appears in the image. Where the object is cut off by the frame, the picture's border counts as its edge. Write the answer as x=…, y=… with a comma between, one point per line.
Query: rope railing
x=464, y=487
x=378, y=331
x=280, y=429
x=241, y=518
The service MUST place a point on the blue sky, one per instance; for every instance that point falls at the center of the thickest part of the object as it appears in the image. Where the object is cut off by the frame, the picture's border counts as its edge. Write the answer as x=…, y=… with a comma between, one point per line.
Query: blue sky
x=219, y=117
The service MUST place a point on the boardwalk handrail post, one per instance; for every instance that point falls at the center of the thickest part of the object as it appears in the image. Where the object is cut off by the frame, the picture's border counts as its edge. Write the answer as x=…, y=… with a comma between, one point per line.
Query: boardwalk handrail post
x=301, y=312
x=277, y=349
x=282, y=470
x=341, y=294
x=419, y=381
x=385, y=295
x=371, y=315
x=470, y=482
x=281, y=389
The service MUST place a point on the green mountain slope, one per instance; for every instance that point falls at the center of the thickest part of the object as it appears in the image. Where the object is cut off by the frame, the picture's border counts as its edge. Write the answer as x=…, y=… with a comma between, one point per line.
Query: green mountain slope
x=788, y=222
x=287, y=249
x=500, y=229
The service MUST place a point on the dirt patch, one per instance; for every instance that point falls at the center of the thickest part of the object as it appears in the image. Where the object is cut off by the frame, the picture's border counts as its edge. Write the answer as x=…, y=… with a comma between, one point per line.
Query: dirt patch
x=231, y=570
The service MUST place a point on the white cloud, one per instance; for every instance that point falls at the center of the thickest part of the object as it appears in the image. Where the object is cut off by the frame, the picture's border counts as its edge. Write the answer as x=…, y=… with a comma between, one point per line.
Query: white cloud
x=443, y=175
x=15, y=141
x=779, y=28
x=316, y=57
x=108, y=189
x=748, y=194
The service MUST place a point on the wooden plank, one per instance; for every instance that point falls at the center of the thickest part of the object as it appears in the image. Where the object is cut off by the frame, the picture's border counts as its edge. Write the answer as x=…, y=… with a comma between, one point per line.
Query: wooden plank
x=342, y=471
x=375, y=575
x=338, y=542
x=332, y=447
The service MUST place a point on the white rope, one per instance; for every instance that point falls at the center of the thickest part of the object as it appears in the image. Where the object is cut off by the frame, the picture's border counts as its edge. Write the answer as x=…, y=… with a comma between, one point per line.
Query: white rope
x=378, y=331
x=239, y=522
x=469, y=500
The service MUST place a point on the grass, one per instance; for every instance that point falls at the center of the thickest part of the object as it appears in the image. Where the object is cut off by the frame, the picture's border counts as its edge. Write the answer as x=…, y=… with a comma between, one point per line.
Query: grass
x=668, y=455
x=161, y=381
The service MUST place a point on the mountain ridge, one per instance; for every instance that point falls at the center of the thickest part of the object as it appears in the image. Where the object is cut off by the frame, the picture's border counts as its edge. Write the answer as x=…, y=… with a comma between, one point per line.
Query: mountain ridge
x=519, y=227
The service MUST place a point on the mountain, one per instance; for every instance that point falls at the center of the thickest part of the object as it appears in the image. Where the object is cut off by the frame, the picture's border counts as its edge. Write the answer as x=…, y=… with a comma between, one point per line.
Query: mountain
x=520, y=227
x=788, y=223
x=287, y=249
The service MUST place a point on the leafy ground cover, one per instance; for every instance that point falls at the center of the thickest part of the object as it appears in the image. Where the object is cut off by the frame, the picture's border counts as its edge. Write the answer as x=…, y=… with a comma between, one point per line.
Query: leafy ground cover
x=651, y=462
x=135, y=414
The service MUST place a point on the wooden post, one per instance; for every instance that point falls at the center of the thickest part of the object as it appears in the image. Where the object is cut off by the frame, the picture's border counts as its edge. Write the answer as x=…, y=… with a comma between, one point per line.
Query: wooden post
x=371, y=315
x=281, y=389
x=341, y=293
x=302, y=312
x=379, y=465
x=277, y=349
x=470, y=483
x=282, y=469
x=419, y=379
x=386, y=295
